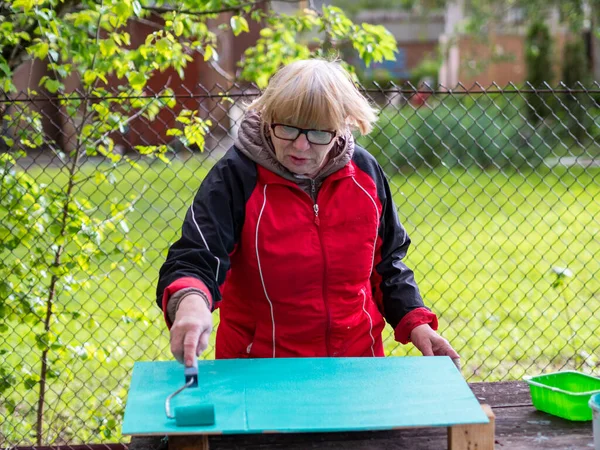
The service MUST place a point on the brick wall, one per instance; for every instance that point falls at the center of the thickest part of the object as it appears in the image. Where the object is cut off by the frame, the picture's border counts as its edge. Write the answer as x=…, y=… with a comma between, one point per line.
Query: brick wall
x=503, y=72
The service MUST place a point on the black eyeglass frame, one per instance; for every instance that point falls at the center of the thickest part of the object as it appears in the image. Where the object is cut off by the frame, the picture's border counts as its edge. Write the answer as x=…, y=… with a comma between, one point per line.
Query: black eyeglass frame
x=303, y=131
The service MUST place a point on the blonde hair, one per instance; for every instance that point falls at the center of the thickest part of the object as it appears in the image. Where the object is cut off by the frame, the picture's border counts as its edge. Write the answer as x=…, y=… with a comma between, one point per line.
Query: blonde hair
x=315, y=93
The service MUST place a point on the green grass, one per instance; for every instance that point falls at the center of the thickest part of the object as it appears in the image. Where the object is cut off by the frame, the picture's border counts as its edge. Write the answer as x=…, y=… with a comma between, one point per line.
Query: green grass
x=484, y=245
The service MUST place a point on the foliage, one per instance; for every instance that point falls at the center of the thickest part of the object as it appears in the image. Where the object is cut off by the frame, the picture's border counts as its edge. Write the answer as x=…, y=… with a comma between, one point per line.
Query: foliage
x=279, y=43
x=575, y=68
x=538, y=59
x=427, y=70
x=90, y=39
x=572, y=13
x=355, y=6
x=576, y=75
x=485, y=132
x=480, y=15
x=380, y=76
x=49, y=248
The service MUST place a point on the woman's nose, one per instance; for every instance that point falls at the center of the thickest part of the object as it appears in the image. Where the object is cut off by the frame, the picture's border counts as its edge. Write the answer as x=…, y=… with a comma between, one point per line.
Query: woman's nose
x=301, y=143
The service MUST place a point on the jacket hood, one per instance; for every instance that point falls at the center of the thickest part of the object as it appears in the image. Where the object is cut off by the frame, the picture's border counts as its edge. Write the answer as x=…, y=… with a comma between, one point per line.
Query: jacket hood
x=254, y=141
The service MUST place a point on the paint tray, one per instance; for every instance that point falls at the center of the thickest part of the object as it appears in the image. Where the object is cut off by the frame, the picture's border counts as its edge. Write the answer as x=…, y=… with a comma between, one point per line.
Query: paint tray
x=564, y=394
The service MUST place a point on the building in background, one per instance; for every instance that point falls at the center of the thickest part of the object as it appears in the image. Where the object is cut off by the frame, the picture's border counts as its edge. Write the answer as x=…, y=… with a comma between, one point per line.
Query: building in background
x=497, y=55
x=498, y=58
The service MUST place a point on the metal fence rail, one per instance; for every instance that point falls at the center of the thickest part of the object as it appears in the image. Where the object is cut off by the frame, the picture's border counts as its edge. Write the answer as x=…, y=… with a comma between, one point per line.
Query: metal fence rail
x=498, y=187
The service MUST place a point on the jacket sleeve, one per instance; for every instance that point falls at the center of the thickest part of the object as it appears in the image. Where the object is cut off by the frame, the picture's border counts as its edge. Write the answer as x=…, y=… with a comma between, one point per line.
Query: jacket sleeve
x=210, y=232
x=395, y=289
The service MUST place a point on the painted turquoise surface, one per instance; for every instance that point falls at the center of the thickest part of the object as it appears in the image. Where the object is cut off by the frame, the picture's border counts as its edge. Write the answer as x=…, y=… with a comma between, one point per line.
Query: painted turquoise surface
x=304, y=395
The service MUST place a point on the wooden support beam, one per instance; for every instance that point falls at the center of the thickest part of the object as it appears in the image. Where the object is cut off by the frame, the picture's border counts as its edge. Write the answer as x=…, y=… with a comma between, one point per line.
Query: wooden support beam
x=198, y=442
x=475, y=436
x=460, y=437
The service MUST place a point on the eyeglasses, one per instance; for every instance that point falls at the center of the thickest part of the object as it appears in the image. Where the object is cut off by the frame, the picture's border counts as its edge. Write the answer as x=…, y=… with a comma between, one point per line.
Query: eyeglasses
x=289, y=133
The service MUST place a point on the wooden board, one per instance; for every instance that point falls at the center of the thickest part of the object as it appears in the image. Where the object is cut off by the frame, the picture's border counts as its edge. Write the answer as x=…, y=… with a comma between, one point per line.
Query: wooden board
x=305, y=395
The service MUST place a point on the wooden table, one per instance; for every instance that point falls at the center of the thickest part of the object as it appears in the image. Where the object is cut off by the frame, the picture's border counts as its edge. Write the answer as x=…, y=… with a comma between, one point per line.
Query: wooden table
x=519, y=426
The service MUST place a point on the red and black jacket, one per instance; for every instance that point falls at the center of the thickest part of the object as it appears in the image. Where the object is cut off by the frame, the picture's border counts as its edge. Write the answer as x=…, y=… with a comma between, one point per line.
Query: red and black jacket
x=295, y=277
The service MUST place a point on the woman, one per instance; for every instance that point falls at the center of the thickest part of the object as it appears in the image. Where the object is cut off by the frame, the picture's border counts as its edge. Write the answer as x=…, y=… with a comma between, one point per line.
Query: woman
x=294, y=236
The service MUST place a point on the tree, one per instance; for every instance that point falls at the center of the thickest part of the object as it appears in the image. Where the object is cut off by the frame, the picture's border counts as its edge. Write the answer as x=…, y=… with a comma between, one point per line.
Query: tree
x=49, y=237
x=538, y=58
x=576, y=76
x=87, y=37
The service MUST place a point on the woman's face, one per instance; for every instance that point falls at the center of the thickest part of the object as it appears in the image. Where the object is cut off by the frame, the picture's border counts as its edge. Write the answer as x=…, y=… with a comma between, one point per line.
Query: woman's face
x=299, y=155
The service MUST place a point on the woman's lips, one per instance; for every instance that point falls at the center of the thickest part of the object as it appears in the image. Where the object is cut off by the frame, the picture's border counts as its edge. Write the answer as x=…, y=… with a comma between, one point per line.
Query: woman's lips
x=298, y=161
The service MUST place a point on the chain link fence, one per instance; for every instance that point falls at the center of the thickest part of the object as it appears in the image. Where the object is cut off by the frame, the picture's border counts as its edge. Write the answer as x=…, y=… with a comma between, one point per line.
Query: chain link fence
x=499, y=189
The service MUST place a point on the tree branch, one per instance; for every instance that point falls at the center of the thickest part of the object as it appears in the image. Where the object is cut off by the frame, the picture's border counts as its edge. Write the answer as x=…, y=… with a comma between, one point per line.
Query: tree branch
x=159, y=10
x=215, y=65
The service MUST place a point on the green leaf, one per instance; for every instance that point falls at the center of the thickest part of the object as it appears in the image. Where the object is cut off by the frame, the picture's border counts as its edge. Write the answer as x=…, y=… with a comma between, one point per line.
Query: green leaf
x=122, y=10
x=209, y=53
x=137, y=8
x=40, y=51
x=42, y=341
x=53, y=86
x=178, y=27
x=6, y=69
x=9, y=403
x=164, y=47
x=91, y=323
x=137, y=80
x=55, y=229
x=25, y=4
x=83, y=18
x=10, y=142
x=30, y=382
x=239, y=25
x=7, y=380
x=28, y=143
x=99, y=178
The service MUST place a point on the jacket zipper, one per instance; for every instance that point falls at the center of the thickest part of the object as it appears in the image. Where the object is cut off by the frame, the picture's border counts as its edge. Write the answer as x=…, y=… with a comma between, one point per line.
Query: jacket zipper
x=313, y=190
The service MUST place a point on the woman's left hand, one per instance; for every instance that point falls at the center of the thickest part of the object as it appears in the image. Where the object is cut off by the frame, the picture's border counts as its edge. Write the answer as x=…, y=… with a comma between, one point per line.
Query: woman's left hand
x=430, y=343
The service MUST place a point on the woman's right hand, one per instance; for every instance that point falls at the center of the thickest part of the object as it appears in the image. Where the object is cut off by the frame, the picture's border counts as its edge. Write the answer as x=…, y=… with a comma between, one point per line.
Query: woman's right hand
x=191, y=329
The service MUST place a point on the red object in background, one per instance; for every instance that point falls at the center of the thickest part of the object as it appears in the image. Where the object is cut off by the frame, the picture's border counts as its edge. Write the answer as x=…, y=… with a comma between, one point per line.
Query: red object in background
x=419, y=99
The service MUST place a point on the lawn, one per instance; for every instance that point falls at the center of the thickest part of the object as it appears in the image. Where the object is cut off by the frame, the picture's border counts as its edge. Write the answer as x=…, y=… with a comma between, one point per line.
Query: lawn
x=484, y=246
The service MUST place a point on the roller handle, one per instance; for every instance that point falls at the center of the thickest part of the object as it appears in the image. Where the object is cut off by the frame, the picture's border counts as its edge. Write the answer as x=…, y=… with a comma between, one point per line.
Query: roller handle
x=191, y=375
x=191, y=380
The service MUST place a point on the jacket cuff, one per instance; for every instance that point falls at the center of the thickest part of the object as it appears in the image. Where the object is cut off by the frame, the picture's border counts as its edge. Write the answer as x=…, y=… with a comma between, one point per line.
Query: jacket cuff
x=176, y=299
x=413, y=319
x=177, y=285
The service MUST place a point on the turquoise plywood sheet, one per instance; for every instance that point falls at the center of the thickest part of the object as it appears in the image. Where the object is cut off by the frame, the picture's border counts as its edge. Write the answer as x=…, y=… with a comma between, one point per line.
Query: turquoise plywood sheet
x=304, y=395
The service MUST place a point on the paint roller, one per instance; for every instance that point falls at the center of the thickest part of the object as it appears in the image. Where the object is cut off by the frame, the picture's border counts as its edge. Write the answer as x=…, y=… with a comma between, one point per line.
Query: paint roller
x=192, y=415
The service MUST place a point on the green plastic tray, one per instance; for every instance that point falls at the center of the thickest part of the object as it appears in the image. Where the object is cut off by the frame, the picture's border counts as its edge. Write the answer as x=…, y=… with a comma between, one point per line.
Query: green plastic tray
x=564, y=394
